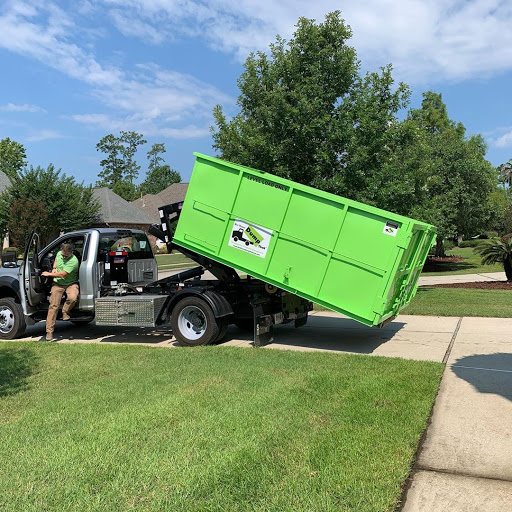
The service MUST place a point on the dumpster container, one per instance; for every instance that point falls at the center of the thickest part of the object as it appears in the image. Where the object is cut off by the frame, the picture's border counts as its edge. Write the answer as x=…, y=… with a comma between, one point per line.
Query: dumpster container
x=347, y=256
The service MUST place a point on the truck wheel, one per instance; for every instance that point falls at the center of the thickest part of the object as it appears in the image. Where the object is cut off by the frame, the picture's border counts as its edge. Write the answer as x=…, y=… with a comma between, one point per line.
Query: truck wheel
x=223, y=329
x=193, y=322
x=12, y=320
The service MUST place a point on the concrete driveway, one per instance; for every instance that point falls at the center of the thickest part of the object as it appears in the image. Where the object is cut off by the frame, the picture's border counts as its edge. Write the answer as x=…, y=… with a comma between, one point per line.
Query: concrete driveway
x=465, y=460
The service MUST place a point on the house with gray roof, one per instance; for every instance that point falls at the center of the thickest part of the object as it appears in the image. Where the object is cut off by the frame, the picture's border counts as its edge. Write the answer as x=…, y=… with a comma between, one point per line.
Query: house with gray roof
x=116, y=212
x=150, y=203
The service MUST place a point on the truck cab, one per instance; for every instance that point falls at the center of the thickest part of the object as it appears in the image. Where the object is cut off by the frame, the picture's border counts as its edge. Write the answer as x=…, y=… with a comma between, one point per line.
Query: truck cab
x=25, y=292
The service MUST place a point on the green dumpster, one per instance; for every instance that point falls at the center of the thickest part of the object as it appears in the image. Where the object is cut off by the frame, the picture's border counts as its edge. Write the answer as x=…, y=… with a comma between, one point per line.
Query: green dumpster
x=349, y=257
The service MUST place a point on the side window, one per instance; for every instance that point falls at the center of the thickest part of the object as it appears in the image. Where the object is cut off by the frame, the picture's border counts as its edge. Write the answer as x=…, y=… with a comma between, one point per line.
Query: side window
x=77, y=243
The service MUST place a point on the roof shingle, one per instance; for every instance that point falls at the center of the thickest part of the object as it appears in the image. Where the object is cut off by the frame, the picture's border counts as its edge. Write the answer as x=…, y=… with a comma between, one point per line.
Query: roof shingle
x=150, y=203
x=114, y=209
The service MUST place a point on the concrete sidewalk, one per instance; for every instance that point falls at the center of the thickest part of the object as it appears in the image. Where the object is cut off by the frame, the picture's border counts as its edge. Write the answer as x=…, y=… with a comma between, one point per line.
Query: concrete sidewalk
x=426, y=280
x=465, y=462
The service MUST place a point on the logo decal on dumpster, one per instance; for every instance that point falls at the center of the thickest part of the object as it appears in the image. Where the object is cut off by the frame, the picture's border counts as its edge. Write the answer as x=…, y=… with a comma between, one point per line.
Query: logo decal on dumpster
x=391, y=228
x=250, y=238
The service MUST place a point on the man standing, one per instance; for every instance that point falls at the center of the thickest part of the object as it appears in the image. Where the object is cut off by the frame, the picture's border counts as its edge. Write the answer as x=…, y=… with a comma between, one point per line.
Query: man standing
x=65, y=279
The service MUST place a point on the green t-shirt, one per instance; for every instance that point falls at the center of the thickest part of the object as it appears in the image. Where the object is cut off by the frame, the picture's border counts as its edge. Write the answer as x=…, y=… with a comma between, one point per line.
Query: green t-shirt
x=70, y=266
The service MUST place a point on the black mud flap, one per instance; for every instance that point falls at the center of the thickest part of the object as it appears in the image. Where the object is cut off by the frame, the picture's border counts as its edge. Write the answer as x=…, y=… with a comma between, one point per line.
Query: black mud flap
x=299, y=322
x=263, y=327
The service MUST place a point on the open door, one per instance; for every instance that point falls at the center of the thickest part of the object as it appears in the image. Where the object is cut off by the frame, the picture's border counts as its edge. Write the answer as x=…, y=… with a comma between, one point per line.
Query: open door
x=32, y=272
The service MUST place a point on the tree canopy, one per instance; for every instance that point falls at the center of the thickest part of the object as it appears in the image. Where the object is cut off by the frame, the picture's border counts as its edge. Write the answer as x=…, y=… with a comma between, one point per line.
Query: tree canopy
x=12, y=157
x=120, y=169
x=48, y=201
x=306, y=113
x=159, y=175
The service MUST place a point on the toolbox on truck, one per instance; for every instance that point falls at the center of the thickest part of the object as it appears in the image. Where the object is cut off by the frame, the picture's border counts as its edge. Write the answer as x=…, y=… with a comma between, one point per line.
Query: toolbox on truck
x=356, y=259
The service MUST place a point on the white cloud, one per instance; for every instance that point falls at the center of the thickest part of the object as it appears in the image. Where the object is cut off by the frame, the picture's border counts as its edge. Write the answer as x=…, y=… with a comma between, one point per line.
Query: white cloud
x=11, y=107
x=505, y=141
x=147, y=97
x=45, y=135
x=133, y=27
x=47, y=40
x=425, y=40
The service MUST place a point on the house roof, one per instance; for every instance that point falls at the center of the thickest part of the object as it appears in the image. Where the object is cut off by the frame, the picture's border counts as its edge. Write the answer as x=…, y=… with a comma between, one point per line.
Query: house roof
x=4, y=181
x=150, y=203
x=114, y=209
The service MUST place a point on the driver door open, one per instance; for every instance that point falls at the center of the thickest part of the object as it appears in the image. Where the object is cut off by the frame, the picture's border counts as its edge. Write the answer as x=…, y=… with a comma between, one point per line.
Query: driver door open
x=32, y=285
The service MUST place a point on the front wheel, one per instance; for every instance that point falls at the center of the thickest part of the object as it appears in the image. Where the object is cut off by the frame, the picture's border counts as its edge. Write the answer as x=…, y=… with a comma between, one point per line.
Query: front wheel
x=12, y=320
x=193, y=322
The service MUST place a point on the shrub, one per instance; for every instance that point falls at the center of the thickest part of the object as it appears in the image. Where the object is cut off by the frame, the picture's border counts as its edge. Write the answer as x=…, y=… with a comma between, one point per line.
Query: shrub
x=497, y=250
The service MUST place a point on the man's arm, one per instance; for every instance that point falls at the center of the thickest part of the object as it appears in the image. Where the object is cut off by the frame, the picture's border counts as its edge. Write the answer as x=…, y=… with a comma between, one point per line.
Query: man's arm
x=53, y=273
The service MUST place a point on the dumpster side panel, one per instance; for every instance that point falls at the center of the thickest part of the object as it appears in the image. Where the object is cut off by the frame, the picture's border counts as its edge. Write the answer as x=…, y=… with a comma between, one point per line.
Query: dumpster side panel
x=347, y=256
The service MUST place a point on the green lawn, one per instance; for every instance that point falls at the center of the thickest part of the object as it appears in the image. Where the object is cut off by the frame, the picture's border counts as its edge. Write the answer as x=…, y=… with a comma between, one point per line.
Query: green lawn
x=470, y=265
x=117, y=428
x=460, y=302
x=174, y=260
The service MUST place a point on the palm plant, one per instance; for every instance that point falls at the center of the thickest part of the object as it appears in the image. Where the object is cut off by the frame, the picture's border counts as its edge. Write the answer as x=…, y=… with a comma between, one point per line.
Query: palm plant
x=497, y=250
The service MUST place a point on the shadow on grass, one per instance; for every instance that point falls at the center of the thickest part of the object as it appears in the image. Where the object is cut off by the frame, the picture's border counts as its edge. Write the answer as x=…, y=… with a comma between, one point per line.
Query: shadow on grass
x=16, y=365
x=487, y=373
x=448, y=266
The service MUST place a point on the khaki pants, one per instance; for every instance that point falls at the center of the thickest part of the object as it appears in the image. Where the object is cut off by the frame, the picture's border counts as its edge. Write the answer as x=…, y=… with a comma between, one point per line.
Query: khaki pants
x=55, y=298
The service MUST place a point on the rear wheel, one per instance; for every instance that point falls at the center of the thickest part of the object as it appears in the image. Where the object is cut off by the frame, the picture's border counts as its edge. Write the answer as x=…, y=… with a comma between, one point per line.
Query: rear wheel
x=223, y=329
x=193, y=322
x=12, y=320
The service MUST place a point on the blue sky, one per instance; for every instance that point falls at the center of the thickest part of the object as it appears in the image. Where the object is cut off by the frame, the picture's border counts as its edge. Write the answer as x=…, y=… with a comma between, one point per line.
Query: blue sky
x=74, y=71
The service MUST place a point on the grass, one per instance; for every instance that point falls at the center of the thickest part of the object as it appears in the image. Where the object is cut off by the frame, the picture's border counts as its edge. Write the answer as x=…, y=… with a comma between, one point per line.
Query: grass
x=117, y=428
x=173, y=261
x=460, y=302
x=470, y=265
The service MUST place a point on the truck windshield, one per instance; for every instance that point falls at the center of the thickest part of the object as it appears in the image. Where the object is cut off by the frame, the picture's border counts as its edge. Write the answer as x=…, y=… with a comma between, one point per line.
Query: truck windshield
x=135, y=244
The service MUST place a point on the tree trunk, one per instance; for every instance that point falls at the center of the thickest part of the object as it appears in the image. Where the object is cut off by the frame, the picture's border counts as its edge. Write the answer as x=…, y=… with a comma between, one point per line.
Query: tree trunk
x=507, y=265
x=440, y=247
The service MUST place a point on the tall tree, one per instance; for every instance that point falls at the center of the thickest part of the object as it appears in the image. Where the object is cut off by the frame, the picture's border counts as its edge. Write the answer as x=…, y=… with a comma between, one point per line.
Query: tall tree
x=505, y=171
x=155, y=160
x=456, y=181
x=12, y=157
x=120, y=168
x=306, y=114
x=159, y=175
x=63, y=204
x=130, y=142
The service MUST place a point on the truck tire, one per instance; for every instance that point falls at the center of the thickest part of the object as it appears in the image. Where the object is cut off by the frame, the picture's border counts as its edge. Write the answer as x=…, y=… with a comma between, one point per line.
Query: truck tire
x=193, y=322
x=223, y=329
x=12, y=320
